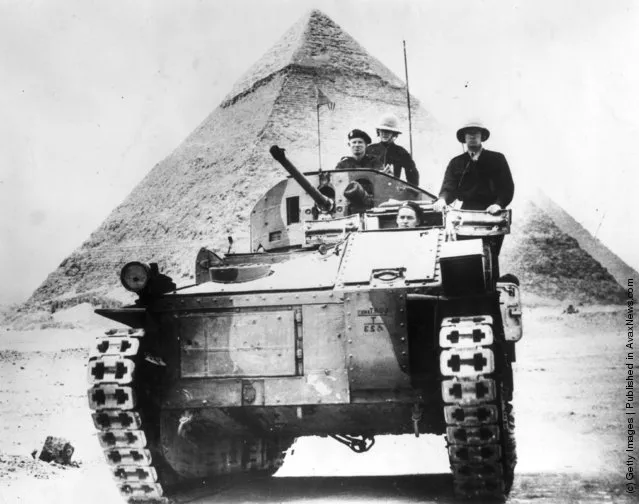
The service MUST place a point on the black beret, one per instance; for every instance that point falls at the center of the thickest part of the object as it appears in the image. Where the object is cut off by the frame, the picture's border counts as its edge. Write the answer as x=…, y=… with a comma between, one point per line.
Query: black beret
x=357, y=133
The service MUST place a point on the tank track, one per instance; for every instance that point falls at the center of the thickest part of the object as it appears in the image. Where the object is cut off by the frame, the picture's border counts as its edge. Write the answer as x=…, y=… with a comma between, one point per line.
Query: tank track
x=125, y=381
x=115, y=362
x=479, y=420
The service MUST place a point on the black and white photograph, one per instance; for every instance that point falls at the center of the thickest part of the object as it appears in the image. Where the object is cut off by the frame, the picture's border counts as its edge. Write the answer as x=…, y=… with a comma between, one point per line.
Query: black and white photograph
x=295, y=251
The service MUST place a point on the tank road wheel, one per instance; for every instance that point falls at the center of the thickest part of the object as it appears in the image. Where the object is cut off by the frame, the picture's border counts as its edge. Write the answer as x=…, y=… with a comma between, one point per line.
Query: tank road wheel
x=195, y=449
x=479, y=421
x=122, y=378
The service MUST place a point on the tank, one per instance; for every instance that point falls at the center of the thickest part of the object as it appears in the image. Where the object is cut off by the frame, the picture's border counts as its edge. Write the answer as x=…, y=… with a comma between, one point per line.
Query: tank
x=337, y=324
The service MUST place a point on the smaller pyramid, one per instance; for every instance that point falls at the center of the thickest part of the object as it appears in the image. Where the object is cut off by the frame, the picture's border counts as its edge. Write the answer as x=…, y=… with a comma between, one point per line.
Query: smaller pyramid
x=550, y=262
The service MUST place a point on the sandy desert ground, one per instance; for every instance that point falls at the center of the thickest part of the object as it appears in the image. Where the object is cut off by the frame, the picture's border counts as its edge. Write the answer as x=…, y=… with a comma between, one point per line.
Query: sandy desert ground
x=569, y=402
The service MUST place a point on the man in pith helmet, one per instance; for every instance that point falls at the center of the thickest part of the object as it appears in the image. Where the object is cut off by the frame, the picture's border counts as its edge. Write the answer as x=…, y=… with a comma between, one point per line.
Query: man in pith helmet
x=358, y=140
x=479, y=178
x=392, y=156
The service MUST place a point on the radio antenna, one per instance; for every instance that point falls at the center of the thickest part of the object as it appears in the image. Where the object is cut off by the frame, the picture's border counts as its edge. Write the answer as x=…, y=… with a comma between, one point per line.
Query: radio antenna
x=410, y=122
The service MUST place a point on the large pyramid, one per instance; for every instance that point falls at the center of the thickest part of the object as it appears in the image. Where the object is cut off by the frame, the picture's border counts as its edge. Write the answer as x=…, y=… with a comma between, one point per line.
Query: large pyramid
x=203, y=192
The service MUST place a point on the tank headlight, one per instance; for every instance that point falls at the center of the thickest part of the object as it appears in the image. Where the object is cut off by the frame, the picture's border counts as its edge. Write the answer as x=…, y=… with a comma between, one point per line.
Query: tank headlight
x=135, y=276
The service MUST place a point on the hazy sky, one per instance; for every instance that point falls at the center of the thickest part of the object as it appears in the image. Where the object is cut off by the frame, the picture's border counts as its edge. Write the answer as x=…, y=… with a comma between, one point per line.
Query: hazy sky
x=94, y=94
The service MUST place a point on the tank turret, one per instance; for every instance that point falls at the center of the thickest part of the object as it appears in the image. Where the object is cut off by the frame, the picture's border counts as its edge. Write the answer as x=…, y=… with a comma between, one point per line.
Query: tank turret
x=283, y=218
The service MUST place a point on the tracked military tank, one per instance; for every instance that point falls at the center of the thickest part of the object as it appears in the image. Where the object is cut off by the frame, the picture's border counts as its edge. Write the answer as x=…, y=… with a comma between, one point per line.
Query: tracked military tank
x=337, y=323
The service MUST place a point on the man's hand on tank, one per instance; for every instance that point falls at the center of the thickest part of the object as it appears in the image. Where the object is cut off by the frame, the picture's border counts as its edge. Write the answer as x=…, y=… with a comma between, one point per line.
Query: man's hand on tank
x=439, y=205
x=494, y=209
x=388, y=169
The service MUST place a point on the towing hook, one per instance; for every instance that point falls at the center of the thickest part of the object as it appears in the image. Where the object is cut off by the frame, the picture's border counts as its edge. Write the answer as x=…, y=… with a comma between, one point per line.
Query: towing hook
x=416, y=417
x=185, y=420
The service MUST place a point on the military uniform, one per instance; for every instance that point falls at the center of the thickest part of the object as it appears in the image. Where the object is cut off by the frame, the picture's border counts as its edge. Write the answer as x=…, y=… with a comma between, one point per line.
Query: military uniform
x=367, y=161
x=396, y=155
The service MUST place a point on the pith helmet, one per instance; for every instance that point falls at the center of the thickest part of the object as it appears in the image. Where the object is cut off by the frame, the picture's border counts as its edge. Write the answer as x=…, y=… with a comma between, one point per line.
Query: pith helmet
x=358, y=133
x=389, y=122
x=474, y=125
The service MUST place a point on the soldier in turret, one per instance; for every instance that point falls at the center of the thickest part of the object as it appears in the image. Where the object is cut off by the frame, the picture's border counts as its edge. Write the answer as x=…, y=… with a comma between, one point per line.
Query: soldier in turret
x=392, y=156
x=358, y=140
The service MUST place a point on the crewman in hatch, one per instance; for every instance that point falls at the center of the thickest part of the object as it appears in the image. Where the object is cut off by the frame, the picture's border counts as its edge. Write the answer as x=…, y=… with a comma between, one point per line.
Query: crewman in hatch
x=358, y=140
x=409, y=215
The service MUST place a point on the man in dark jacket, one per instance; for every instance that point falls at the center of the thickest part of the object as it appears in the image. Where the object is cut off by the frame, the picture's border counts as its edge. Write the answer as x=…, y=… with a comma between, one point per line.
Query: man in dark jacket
x=358, y=140
x=479, y=178
x=392, y=156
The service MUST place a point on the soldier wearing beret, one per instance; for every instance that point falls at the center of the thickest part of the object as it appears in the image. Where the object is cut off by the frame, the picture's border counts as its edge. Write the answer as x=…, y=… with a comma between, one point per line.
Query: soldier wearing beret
x=358, y=140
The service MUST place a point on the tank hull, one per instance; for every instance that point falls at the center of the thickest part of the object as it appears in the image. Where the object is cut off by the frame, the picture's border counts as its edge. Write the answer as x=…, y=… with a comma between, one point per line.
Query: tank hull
x=361, y=329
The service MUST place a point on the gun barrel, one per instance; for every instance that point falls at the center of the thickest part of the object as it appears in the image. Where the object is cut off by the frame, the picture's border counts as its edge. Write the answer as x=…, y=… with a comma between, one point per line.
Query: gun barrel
x=323, y=202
